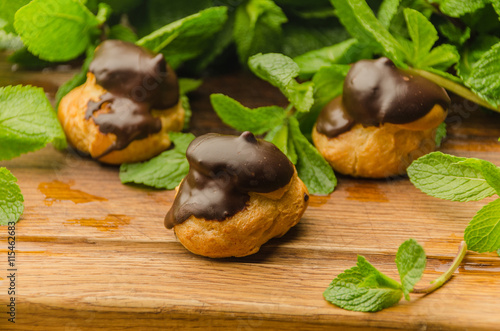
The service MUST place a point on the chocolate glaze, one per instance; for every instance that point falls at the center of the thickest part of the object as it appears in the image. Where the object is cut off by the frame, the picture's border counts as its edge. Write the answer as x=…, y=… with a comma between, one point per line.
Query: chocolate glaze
x=333, y=119
x=137, y=81
x=376, y=92
x=223, y=170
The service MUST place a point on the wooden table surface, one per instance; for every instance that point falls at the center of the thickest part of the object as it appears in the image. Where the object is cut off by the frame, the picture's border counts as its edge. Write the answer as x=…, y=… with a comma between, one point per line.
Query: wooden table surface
x=93, y=254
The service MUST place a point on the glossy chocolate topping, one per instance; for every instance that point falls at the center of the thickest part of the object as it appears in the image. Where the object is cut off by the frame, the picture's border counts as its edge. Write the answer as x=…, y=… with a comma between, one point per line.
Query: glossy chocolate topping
x=223, y=170
x=376, y=92
x=333, y=119
x=137, y=81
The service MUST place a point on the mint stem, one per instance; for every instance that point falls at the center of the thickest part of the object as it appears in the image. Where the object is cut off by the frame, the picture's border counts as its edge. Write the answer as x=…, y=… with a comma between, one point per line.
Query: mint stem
x=458, y=89
x=462, y=250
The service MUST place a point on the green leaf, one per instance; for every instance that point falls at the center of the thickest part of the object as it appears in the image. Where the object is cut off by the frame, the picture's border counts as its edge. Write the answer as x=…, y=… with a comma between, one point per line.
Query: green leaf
x=8, y=9
x=483, y=78
x=442, y=176
x=488, y=170
x=341, y=53
x=457, y=8
x=440, y=134
x=234, y=114
x=11, y=198
x=312, y=168
x=441, y=57
x=359, y=20
x=472, y=52
x=363, y=288
x=26, y=60
x=187, y=85
x=122, y=32
x=454, y=33
x=483, y=232
x=27, y=121
x=164, y=171
x=411, y=261
x=422, y=33
x=57, y=30
x=386, y=12
x=257, y=28
x=77, y=80
x=187, y=38
x=280, y=71
x=281, y=137
x=498, y=252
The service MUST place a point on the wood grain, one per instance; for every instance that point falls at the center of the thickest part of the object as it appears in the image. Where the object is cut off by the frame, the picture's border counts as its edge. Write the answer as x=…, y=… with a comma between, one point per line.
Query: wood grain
x=92, y=254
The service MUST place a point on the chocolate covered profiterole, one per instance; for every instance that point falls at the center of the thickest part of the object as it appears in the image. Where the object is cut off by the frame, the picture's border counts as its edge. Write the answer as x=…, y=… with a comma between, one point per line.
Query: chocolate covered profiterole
x=385, y=119
x=126, y=107
x=239, y=193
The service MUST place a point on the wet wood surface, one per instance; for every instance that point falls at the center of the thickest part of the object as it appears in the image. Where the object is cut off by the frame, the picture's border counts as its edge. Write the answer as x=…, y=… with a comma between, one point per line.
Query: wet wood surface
x=93, y=254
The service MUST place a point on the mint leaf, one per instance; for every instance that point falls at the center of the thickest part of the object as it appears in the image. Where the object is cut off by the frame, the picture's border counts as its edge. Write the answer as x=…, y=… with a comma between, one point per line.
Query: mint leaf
x=457, y=8
x=257, y=28
x=186, y=38
x=386, y=12
x=422, y=33
x=58, y=30
x=77, y=80
x=442, y=176
x=483, y=78
x=281, y=137
x=345, y=52
x=27, y=121
x=234, y=114
x=488, y=170
x=8, y=9
x=312, y=168
x=164, y=171
x=440, y=134
x=454, y=33
x=441, y=57
x=411, y=261
x=483, y=232
x=359, y=20
x=122, y=32
x=363, y=288
x=11, y=198
x=280, y=71
x=187, y=85
x=472, y=52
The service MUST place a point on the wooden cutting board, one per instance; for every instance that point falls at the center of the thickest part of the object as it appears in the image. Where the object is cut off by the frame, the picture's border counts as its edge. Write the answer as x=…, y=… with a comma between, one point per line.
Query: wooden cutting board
x=93, y=254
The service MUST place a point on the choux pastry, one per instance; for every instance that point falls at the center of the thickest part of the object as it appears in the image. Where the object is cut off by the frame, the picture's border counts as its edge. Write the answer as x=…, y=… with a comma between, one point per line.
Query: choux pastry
x=385, y=119
x=127, y=106
x=239, y=193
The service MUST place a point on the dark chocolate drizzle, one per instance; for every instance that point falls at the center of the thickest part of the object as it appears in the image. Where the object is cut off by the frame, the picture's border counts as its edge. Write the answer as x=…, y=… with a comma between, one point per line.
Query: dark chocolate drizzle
x=223, y=170
x=137, y=81
x=377, y=92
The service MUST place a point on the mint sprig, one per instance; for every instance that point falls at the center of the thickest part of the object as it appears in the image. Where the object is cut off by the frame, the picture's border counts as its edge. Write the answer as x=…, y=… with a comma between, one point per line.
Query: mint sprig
x=463, y=179
x=364, y=288
x=164, y=171
x=27, y=121
x=11, y=198
x=281, y=71
x=57, y=30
